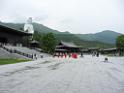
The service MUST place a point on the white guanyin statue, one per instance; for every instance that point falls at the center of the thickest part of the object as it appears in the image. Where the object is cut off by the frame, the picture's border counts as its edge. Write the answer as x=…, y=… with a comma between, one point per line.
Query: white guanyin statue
x=28, y=27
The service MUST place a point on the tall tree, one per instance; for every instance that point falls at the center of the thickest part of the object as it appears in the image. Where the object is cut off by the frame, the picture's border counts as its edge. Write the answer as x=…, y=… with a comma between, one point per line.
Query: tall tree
x=38, y=37
x=49, y=43
x=120, y=44
x=26, y=41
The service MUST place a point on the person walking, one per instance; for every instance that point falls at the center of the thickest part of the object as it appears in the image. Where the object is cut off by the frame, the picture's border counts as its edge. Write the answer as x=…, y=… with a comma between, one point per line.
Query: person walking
x=97, y=54
x=82, y=54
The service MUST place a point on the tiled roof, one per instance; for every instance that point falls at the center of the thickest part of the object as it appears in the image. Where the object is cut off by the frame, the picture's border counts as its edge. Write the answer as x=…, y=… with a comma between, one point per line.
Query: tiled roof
x=13, y=30
x=69, y=44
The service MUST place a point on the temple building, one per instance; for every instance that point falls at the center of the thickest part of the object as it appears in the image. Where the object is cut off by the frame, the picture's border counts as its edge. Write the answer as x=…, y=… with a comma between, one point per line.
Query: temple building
x=110, y=51
x=67, y=47
x=13, y=36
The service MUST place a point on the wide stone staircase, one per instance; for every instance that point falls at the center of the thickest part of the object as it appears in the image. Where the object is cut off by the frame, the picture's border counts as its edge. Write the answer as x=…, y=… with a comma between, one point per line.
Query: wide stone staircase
x=24, y=51
x=6, y=54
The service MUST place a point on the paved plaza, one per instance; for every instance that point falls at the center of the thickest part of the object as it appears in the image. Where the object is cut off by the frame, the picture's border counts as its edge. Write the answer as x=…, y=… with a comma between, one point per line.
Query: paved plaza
x=64, y=75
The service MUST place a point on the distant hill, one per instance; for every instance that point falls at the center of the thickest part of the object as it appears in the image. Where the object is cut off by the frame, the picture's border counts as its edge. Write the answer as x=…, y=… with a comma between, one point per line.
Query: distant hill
x=106, y=36
x=83, y=43
x=37, y=27
x=84, y=40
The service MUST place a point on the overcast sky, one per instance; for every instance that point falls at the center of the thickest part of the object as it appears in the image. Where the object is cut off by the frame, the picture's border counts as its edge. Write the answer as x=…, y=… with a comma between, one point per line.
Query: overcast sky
x=75, y=16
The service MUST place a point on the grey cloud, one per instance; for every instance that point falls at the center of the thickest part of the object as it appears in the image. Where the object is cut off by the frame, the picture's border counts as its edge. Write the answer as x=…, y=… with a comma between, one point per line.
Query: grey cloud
x=77, y=16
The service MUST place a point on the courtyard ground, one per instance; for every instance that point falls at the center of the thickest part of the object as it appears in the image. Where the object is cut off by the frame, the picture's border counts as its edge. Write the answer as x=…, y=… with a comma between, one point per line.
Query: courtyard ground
x=64, y=75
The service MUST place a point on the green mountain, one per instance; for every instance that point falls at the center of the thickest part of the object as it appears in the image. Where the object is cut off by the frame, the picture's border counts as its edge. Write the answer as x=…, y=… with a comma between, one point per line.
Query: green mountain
x=106, y=36
x=37, y=27
x=80, y=39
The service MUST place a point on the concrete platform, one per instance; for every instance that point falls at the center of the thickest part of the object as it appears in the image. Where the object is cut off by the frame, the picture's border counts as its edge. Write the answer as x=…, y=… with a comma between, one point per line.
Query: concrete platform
x=59, y=75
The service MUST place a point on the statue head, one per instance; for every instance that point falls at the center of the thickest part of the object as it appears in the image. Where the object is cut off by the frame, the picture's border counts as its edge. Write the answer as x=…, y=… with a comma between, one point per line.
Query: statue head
x=29, y=21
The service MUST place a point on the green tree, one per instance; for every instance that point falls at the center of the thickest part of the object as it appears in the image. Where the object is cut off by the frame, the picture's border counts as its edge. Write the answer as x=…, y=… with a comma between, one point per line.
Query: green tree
x=120, y=44
x=49, y=43
x=26, y=41
x=38, y=37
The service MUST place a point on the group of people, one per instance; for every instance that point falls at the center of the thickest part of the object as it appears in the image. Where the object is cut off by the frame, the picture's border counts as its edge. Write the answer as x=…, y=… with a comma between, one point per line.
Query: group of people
x=65, y=55
x=74, y=55
x=34, y=56
x=95, y=54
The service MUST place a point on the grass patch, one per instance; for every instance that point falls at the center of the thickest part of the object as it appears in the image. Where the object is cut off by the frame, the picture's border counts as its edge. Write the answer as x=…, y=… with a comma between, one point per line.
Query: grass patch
x=12, y=61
